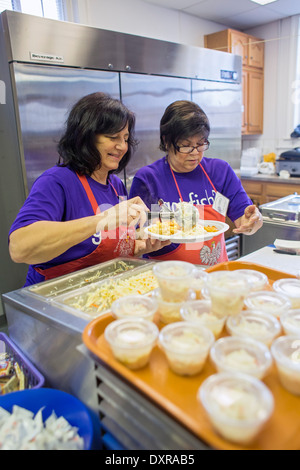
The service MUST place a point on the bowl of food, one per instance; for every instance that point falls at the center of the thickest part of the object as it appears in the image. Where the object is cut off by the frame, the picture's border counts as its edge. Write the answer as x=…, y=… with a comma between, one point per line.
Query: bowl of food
x=261, y=326
x=44, y=419
x=290, y=322
x=270, y=302
x=256, y=279
x=131, y=341
x=238, y=405
x=286, y=353
x=246, y=355
x=186, y=346
x=174, y=279
x=227, y=291
x=134, y=306
x=200, y=312
x=290, y=288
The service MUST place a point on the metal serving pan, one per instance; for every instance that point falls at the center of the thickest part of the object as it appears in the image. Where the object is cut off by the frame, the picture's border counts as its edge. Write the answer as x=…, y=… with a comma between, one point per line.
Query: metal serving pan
x=95, y=299
x=284, y=209
x=84, y=277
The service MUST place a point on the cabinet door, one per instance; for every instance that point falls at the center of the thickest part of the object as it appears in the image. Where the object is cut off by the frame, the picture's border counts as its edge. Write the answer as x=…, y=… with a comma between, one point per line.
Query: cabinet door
x=256, y=52
x=239, y=45
x=245, y=102
x=255, y=102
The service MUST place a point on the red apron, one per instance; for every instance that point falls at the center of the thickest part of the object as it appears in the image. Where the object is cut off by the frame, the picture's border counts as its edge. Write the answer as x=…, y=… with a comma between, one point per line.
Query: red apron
x=206, y=253
x=114, y=244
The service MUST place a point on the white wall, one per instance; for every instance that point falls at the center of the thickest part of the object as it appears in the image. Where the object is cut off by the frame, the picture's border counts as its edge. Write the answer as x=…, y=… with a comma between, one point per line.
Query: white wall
x=281, y=38
x=148, y=20
x=144, y=19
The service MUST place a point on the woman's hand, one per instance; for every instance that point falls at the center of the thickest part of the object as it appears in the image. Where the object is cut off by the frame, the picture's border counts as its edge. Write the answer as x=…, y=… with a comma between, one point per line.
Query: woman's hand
x=131, y=212
x=250, y=222
x=148, y=245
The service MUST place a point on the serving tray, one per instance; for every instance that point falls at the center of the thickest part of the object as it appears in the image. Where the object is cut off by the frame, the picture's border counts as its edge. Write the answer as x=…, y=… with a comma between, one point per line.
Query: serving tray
x=177, y=396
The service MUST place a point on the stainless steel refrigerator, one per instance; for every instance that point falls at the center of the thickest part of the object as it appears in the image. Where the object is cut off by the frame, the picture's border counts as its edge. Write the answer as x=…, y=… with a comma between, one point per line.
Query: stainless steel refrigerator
x=47, y=65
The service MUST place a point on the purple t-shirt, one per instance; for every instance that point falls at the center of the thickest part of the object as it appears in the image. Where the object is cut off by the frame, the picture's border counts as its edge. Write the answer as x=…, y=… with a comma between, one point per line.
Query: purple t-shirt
x=58, y=195
x=155, y=181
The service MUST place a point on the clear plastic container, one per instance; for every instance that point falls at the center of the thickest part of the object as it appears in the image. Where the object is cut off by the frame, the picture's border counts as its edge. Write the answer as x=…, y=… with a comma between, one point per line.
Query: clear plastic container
x=169, y=312
x=263, y=327
x=199, y=311
x=186, y=346
x=134, y=306
x=227, y=291
x=268, y=302
x=246, y=355
x=256, y=279
x=174, y=279
x=286, y=353
x=238, y=405
x=290, y=322
x=199, y=278
x=132, y=340
x=290, y=288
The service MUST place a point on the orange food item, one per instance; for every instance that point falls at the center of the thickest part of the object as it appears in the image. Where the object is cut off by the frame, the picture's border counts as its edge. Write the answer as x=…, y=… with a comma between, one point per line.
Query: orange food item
x=210, y=228
x=168, y=227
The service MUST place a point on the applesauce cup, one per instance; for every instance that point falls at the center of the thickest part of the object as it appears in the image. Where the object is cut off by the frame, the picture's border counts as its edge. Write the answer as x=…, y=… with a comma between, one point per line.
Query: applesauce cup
x=174, y=279
x=227, y=291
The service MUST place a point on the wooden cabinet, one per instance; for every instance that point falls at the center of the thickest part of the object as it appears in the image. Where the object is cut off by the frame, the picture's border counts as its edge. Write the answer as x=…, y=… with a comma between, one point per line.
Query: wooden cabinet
x=251, y=49
x=265, y=191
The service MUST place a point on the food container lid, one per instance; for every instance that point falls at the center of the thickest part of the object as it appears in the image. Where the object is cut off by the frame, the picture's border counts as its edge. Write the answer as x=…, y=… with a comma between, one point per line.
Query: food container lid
x=134, y=306
x=256, y=279
x=228, y=281
x=291, y=321
x=223, y=392
x=286, y=351
x=170, y=270
x=254, y=323
x=131, y=333
x=267, y=301
x=186, y=338
x=246, y=355
x=288, y=287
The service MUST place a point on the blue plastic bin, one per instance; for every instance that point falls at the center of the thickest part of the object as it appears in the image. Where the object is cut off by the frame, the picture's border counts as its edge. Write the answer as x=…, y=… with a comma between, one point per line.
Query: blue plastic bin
x=62, y=403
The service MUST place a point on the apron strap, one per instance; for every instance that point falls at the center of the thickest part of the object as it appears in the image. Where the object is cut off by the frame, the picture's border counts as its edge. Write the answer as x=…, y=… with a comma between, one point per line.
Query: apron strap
x=89, y=192
x=177, y=187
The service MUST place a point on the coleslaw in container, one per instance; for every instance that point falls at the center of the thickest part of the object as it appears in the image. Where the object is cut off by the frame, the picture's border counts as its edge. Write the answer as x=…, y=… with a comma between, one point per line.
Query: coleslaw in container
x=132, y=341
x=238, y=405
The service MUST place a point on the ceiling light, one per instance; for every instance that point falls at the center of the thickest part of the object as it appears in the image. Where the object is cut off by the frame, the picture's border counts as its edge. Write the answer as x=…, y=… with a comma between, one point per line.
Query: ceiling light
x=263, y=2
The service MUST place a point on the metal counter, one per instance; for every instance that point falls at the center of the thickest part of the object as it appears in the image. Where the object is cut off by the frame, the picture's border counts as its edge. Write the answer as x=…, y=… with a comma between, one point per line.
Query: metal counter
x=281, y=220
x=50, y=333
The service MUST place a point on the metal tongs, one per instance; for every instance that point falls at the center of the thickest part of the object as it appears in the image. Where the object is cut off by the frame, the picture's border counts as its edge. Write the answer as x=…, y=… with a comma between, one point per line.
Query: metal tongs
x=185, y=221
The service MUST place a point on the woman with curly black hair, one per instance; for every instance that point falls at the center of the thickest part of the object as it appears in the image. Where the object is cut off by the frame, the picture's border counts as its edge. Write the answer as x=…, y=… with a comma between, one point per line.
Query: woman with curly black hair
x=73, y=217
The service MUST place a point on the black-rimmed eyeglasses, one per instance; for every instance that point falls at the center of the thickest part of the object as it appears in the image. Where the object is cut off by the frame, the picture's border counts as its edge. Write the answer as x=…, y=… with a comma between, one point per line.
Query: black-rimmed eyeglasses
x=189, y=149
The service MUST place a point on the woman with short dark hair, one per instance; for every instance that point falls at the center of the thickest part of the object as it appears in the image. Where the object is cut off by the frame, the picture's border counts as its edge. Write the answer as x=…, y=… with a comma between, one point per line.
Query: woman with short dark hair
x=73, y=217
x=185, y=175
